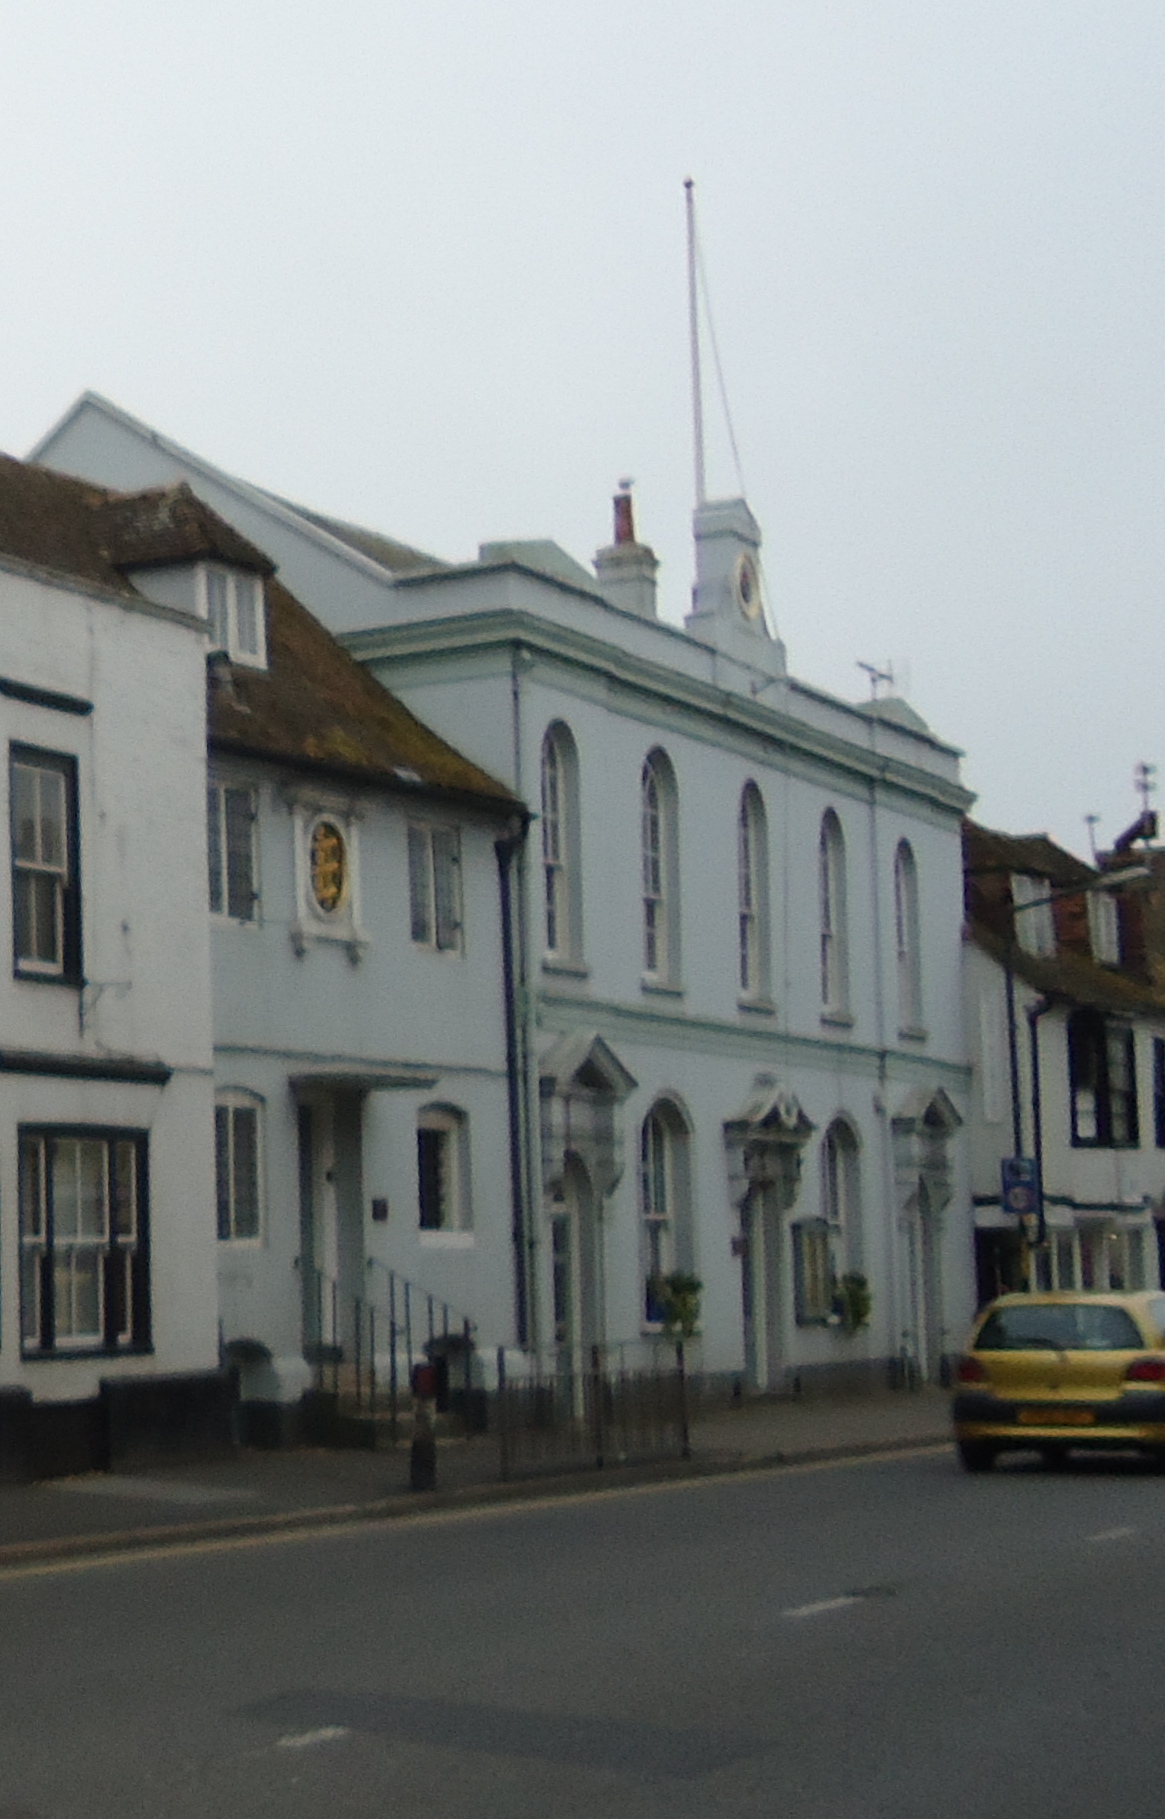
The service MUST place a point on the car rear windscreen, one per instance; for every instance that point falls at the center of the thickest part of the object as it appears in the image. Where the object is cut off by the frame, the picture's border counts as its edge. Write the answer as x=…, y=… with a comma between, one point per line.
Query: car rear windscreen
x=1076, y=1327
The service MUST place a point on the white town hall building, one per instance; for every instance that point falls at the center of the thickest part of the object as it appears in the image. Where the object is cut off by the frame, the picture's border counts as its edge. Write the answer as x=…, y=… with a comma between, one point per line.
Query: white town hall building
x=738, y=932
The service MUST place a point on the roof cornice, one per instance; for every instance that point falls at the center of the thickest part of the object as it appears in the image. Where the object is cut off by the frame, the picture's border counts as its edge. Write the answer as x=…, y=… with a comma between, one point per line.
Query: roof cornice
x=504, y=628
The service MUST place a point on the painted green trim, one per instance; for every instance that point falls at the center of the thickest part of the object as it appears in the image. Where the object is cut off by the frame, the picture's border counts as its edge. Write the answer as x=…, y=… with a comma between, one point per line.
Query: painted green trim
x=304, y=1060
x=764, y=1047
x=623, y=672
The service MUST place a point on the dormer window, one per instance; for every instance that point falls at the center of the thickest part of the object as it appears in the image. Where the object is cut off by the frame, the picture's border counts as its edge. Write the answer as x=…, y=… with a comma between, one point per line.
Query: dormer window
x=1104, y=928
x=1035, y=928
x=234, y=615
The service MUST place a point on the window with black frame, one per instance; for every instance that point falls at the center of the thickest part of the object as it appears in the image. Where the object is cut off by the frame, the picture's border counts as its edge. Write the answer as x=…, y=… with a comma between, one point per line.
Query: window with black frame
x=84, y=1254
x=46, y=899
x=1102, y=1081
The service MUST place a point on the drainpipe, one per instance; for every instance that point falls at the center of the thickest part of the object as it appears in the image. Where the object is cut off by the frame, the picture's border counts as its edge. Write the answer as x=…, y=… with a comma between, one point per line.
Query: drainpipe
x=897, y=1303
x=505, y=850
x=1034, y=1013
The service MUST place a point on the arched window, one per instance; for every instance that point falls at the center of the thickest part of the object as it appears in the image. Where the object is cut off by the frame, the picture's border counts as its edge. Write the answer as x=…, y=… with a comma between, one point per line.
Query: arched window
x=906, y=938
x=752, y=895
x=661, y=920
x=664, y=1202
x=238, y=1164
x=840, y=1193
x=834, y=943
x=828, y=1247
x=561, y=859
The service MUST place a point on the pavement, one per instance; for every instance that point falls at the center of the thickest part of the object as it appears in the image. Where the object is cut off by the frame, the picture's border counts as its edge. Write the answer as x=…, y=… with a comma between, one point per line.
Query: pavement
x=257, y=1492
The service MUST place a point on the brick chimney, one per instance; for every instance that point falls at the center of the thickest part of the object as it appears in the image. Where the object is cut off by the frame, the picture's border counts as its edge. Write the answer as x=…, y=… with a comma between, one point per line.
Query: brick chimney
x=626, y=568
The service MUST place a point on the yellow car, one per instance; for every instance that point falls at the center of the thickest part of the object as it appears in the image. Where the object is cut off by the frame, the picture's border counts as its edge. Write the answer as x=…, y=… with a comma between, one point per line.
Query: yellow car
x=1053, y=1372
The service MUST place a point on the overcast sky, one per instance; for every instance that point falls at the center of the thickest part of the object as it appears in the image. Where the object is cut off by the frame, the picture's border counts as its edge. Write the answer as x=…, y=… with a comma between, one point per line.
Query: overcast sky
x=422, y=265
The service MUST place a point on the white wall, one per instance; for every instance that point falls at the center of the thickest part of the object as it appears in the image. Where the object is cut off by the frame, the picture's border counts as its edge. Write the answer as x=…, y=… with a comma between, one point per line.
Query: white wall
x=141, y=802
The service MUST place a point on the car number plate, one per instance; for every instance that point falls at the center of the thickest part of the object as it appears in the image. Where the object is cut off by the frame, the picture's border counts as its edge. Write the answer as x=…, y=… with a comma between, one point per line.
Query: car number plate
x=1056, y=1417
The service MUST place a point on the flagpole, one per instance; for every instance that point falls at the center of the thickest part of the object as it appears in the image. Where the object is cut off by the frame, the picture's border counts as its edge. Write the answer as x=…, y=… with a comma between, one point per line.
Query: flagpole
x=694, y=339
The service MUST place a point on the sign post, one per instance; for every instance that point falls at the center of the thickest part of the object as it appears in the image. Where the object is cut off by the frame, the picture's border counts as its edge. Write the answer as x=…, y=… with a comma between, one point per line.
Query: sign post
x=1022, y=1194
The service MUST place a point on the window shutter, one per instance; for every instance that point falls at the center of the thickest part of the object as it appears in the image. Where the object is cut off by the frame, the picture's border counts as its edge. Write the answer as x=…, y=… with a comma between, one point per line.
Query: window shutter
x=214, y=846
x=245, y=1119
x=420, y=885
x=222, y=1168
x=239, y=815
x=445, y=880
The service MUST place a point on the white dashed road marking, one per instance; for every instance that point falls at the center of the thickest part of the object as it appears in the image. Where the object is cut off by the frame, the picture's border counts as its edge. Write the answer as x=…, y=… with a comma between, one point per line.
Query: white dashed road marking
x=822, y=1605
x=1112, y=1534
x=304, y=1740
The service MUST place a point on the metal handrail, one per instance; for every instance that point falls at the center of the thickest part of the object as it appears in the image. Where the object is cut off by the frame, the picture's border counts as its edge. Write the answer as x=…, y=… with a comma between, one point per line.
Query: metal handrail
x=342, y=1329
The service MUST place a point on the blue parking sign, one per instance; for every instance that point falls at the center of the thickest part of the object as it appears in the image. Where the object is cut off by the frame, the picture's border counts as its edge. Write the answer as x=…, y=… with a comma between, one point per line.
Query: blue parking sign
x=1020, y=1194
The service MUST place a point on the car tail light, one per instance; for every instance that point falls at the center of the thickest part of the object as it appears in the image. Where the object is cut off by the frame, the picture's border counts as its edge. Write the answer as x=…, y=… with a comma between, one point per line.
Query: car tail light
x=1146, y=1370
x=969, y=1370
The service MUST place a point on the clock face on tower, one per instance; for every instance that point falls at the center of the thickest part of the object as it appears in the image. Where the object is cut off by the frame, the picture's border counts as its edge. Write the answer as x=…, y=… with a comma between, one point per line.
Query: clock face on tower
x=746, y=587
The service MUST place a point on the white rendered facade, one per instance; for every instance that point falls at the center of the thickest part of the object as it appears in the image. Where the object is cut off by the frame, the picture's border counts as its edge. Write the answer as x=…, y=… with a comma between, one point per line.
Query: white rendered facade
x=337, y=1052
x=106, y=1263
x=743, y=1051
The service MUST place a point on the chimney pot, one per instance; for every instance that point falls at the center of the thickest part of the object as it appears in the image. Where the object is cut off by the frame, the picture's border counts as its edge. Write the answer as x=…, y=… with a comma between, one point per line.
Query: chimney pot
x=624, y=515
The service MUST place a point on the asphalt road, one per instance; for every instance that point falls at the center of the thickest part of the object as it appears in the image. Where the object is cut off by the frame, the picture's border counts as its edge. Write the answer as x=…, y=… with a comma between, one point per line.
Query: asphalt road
x=830, y=1642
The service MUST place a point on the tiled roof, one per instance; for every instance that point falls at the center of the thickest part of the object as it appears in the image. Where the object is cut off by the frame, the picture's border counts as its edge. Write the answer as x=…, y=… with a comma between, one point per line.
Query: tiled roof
x=317, y=708
x=987, y=852
x=171, y=524
x=1073, y=978
x=69, y=526
x=1072, y=975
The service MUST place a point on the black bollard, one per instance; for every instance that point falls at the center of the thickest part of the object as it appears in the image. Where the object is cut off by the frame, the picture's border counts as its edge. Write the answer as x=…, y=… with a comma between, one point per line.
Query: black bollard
x=423, y=1463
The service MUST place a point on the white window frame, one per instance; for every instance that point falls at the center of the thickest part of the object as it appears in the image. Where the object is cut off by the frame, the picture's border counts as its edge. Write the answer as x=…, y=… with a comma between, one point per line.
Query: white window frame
x=219, y=849
x=1104, y=932
x=841, y=1194
x=752, y=918
x=228, y=1103
x=1118, y=1259
x=1035, y=927
x=433, y=846
x=908, y=940
x=455, y=1229
x=233, y=601
x=659, y=872
x=833, y=921
x=561, y=855
x=657, y=1208
x=664, y=1202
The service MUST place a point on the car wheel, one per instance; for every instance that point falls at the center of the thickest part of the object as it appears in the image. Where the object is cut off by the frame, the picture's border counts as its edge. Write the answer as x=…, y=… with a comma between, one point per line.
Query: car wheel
x=1055, y=1457
x=976, y=1455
